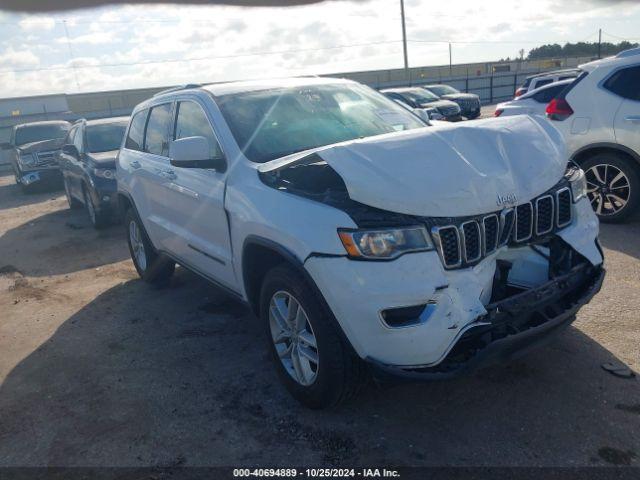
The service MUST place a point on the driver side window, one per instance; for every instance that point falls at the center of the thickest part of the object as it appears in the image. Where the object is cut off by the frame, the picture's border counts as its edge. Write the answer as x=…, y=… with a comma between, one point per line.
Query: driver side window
x=191, y=121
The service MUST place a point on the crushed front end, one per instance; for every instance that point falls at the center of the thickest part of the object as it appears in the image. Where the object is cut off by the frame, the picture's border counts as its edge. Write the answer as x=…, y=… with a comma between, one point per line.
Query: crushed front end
x=494, y=285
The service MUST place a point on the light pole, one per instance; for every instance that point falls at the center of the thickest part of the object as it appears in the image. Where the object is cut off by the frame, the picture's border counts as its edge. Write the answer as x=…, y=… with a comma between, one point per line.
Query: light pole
x=404, y=40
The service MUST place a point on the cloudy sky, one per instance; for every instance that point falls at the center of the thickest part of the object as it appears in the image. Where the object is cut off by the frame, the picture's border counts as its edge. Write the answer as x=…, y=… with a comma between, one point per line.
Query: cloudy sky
x=137, y=46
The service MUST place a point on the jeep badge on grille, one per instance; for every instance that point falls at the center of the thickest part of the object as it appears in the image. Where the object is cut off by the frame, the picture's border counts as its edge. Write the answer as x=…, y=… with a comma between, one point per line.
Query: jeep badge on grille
x=507, y=200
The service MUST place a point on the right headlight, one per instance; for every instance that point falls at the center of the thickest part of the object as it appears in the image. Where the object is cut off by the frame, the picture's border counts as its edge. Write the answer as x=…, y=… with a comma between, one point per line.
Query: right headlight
x=385, y=244
x=26, y=160
x=578, y=183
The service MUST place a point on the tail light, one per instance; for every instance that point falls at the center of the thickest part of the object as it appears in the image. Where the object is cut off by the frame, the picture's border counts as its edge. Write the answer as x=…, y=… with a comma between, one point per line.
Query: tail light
x=498, y=112
x=559, y=109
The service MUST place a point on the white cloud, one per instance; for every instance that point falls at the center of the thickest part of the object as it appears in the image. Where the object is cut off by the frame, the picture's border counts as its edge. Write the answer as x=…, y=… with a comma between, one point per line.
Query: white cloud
x=35, y=23
x=18, y=59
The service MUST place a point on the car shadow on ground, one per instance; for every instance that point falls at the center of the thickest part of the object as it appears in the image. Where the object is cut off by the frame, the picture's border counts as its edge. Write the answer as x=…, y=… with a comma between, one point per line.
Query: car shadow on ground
x=180, y=376
x=12, y=196
x=622, y=237
x=60, y=242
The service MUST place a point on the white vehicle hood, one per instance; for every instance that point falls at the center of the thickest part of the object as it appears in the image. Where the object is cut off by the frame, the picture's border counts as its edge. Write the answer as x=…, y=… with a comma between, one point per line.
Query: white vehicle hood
x=455, y=170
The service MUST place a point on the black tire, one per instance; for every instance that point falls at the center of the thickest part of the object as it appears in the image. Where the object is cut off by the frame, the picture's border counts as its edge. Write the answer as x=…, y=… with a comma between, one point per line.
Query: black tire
x=157, y=270
x=98, y=218
x=340, y=373
x=73, y=202
x=632, y=194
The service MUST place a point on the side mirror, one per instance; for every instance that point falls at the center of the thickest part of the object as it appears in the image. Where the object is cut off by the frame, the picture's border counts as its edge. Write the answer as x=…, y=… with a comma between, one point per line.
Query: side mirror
x=71, y=150
x=193, y=152
x=424, y=116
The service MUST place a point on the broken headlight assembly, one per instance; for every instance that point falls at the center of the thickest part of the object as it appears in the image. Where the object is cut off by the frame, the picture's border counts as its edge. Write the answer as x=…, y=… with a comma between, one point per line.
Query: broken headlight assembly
x=385, y=244
x=578, y=183
x=26, y=160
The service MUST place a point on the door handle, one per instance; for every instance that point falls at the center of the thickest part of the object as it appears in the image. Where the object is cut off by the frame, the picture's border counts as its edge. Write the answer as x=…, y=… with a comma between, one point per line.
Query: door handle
x=168, y=174
x=135, y=164
x=633, y=118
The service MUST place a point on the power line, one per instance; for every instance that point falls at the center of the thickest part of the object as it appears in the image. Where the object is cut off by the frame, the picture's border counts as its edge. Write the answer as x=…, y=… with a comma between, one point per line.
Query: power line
x=197, y=59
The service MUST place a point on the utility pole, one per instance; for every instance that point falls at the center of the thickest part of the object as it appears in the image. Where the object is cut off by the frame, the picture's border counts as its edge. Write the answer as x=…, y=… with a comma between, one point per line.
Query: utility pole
x=599, y=42
x=450, y=67
x=404, y=40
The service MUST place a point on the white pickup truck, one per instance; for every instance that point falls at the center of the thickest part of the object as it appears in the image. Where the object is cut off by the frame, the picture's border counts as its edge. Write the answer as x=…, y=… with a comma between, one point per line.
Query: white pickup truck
x=364, y=240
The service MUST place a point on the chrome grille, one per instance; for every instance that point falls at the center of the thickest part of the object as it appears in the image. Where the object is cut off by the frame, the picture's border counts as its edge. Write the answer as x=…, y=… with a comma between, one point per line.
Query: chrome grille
x=563, y=207
x=524, y=222
x=470, y=240
x=490, y=233
x=472, y=244
x=46, y=159
x=544, y=214
x=448, y=241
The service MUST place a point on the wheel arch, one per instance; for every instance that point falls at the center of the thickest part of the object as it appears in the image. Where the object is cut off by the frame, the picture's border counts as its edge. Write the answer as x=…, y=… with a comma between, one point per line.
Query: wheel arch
x=584, y=153
x=259, y=255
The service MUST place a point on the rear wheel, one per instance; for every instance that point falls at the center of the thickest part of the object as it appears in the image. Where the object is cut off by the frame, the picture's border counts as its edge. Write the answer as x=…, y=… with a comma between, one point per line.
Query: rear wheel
x=613, y=186
x=151, y=267
x=316, y=365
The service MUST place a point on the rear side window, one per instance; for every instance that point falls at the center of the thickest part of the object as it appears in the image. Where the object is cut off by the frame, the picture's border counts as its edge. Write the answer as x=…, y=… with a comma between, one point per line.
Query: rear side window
x=157, y=135
x=136, y=131
x=191, y=121
x=546, y=95
x=542, y=83
x=625, y=82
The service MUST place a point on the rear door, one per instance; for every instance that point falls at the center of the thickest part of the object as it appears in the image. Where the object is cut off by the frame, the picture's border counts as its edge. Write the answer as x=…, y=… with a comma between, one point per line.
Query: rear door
x=195, y=202
x=155, y=172
x=626, y=84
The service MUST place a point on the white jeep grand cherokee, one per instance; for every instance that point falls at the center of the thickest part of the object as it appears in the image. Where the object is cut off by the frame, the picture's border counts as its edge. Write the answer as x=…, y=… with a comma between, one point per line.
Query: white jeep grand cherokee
x=364, y=240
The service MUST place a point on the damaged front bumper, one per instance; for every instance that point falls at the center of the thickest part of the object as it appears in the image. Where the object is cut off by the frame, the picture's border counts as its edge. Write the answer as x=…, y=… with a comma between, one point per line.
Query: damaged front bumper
x=510, y=327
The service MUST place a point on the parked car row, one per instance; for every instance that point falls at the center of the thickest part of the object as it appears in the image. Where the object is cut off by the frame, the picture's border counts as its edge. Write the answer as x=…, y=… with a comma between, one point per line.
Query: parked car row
x=436, y=102
x=366, y=239
x=597, y=111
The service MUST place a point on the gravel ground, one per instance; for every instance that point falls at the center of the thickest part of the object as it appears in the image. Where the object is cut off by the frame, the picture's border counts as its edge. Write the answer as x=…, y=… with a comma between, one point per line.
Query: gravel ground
x=99, y=369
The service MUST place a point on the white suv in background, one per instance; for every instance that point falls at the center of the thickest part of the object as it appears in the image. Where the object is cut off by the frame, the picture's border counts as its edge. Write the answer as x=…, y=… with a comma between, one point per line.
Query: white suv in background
x=362, y=238
x=599, y=117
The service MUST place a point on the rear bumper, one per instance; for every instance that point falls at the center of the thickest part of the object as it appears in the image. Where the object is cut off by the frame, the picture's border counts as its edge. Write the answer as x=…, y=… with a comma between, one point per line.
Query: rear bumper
x=510, y=328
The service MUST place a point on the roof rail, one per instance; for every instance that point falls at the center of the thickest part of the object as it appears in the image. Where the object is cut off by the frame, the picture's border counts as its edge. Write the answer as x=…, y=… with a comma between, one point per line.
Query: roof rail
x=629, y=53
x=178, y=88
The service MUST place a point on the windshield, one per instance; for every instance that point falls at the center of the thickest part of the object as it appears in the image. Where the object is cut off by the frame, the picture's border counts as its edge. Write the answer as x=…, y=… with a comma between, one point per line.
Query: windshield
x=269, y=124
x=106, y=137
x=441, y=90
x=37, y=133
x=419, y=96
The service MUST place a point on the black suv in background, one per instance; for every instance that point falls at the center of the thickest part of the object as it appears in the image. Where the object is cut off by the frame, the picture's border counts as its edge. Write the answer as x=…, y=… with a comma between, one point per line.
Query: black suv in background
x=469, y=102
x=420, y=99
x=33, y=148
x=87, y=161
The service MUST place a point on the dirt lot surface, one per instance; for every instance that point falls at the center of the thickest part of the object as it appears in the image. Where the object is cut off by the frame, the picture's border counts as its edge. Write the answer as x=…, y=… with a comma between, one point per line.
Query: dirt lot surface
x=99, y=369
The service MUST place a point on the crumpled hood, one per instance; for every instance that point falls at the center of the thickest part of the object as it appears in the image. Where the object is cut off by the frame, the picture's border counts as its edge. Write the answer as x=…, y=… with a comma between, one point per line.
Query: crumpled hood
x=452, y=170
x=104, y=159
x=41, y=146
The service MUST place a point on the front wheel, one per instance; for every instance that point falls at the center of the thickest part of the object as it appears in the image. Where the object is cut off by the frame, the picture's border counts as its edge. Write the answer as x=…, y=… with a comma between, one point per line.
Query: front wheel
x=151, y=267
x=316, y=365
x=98, y=219
x=613, y=186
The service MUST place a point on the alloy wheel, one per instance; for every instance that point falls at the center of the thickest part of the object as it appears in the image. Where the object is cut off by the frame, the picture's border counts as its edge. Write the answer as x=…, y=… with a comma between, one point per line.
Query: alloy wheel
x=293, y=338
x=137, y=245
x=608, y=189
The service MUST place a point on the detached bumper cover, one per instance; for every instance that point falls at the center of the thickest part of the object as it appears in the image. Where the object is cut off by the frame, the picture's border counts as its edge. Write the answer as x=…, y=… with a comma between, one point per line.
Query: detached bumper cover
x=511, y=327
x=45, y=175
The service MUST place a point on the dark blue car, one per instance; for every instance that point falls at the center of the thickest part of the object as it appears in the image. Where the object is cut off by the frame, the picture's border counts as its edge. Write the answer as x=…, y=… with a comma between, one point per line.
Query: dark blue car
x=87, y=161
